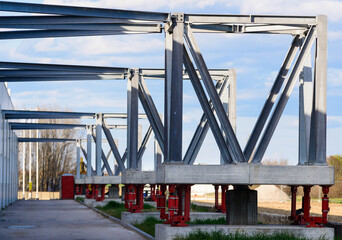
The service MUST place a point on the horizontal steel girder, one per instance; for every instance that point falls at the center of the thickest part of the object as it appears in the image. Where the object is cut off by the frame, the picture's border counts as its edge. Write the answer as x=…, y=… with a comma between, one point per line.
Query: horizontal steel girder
x=41, y=140
x=31, y=126
x=82, y=11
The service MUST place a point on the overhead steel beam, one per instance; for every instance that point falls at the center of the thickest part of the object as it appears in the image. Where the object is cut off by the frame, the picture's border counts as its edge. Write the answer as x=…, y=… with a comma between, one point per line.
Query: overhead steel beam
x=206, y=109
x=46, y=140
x=252, y=19
x=62, y=78
x=272, y=124
x=112, y=27
x=28, y=126
x=81, y=11
x=233, y=144
x=271, y=98
x=61, y=67
x=26, y=114
x=64, y=33
x=60, y=19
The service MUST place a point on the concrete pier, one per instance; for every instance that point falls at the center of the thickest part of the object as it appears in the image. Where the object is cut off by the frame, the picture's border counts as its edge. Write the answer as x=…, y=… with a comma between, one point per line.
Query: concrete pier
x=58, y=219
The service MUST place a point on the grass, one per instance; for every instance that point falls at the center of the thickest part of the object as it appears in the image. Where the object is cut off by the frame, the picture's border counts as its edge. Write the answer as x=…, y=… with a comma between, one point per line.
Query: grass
x=220, y=235
x=198, y=208
x=148, y=226
x=208, y=221
x=80, y=199
x=114, y=208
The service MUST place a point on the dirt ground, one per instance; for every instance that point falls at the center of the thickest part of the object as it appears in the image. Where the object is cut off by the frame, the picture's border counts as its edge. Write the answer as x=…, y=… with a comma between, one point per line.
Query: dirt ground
x=335, y=214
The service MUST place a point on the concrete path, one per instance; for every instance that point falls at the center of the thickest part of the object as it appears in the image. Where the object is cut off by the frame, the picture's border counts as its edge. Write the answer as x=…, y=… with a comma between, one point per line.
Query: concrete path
x=58, y=219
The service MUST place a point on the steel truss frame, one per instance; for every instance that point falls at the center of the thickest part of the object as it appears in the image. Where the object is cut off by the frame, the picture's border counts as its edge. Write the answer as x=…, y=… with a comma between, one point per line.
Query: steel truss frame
x=181, y=49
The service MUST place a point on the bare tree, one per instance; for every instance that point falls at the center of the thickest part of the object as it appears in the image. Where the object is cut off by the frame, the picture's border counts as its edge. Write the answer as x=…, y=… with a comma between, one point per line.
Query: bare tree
x=55, y=158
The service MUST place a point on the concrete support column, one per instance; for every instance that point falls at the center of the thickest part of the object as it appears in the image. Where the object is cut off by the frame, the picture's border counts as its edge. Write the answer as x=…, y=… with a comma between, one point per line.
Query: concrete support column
x=242, y=207
x=113, y=191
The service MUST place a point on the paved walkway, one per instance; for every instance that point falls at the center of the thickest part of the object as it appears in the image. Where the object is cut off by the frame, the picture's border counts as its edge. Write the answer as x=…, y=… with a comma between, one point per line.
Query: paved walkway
x=58, y=219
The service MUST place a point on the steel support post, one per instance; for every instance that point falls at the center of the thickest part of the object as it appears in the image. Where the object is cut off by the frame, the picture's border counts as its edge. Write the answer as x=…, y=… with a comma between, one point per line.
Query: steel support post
x=305, y=109
x=78, y=158
x=1, y=159
x=235, y=149
x=297, y=68
x=4, y=164
x=30, y=166
x=24, y=164
x=318, y=133
x=98, y=144
x=37, y=167
x=157, y=154
x=271, y=98
x=132, y=119
x=174, y=89
x=139, y=158
x=206, y=107
x=89, y=155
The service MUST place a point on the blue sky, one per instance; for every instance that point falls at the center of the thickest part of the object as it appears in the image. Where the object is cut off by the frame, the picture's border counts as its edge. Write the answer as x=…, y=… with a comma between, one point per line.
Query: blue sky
x=257, y=59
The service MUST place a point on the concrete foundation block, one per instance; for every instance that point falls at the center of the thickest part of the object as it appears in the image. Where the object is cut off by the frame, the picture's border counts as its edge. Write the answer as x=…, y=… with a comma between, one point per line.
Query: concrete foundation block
x=166, y=232
x=273, y=218
x=113, y=191
x=138, y=177
x=136, y=218
x=243, y=207
x=89, y=202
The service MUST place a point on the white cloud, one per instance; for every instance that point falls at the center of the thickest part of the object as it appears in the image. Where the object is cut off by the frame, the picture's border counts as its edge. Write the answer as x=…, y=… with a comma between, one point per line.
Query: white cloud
x=331, y=8
x=334, y=77
x=334, y=35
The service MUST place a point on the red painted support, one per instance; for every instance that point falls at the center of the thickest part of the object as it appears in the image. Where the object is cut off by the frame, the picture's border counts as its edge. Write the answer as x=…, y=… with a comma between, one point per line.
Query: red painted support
x=293, y=201
x=134, y=197
x=221, y=208
x=224, y=189
x=78, y=189
x=305, y=218
x=100, y=197
x=161, y=202
x=217, y=206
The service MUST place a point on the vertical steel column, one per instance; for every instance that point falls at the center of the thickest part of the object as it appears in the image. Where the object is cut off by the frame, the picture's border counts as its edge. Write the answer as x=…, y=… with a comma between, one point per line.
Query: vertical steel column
x=174, y=89
x=132, y=119
x=232, y=99
x=98, y=149
x=1, y=160
x=139, y=163
x=8, y=163
x=89, y=162
x=4, y=163
x=30, y=166
x=78, y=158
x=37, y=167
x=157, y=154
x=24, y=164
x=318, y=133
x=305, y=108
